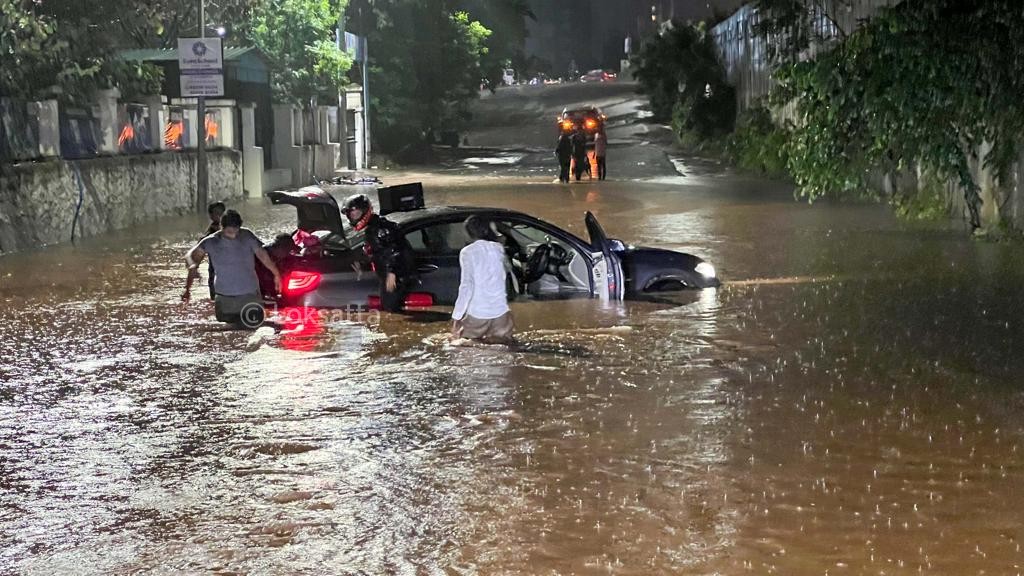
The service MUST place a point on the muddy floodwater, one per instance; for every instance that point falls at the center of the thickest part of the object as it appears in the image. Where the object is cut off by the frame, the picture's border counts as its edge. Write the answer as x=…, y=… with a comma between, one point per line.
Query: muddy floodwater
x=849, y=402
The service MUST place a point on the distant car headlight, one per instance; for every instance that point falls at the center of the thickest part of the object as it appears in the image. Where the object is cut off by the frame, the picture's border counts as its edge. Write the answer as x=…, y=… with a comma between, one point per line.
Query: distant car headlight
x=706, y=270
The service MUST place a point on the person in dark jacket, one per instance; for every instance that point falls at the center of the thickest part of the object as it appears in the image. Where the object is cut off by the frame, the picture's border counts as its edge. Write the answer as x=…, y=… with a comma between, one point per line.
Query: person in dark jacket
x=564, y=152
x=280, y=251
x=215, y=211
x=579, y=153
x=389, y=252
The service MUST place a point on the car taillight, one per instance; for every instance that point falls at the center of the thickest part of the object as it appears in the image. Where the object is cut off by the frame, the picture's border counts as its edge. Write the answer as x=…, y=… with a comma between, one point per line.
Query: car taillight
x=567, y=125
x=419, y=300
x=591, y=124
x=298, y=282
x=412, y=300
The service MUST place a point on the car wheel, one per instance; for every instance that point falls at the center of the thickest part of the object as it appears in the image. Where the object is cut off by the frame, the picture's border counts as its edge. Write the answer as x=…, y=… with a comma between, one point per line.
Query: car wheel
x=668, y=285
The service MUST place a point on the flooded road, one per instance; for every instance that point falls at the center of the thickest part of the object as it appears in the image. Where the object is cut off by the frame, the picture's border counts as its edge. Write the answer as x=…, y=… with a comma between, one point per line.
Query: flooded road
x=849, y=402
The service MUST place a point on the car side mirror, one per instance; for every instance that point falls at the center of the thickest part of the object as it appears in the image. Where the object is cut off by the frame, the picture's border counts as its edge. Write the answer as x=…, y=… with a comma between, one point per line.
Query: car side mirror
x=616, y=245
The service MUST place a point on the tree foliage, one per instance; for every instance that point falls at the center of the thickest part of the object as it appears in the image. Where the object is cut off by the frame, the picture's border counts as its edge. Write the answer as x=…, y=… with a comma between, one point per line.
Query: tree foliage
x=65, y=49
x=506, y=19
x=794, y=25
x=925, y=83
x=425, y=60
x=299, y=39
x=680, y=72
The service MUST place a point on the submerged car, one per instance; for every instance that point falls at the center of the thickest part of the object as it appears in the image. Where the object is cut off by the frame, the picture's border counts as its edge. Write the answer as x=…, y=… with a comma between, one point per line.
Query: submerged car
x=332, y=271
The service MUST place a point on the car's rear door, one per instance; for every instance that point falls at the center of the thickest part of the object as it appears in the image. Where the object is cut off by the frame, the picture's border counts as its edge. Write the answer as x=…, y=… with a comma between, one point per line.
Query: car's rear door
x=609, y=281
x=436, y=247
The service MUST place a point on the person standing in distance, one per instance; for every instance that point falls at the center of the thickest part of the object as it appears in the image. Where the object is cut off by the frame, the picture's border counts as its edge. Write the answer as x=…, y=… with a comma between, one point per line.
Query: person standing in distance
x=389, y=252
x=600, y=151
x=481, y=310
x=563, y=150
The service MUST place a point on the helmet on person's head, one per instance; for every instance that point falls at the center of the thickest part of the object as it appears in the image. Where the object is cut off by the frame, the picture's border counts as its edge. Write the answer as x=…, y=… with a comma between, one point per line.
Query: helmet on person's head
x=361, y=203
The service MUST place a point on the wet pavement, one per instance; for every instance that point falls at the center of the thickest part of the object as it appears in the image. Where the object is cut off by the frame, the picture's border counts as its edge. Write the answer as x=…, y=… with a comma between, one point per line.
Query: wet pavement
x=848, y=402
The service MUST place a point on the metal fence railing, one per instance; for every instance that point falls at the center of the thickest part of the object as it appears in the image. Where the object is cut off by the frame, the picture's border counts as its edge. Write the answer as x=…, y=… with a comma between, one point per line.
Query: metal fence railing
x=79, y=133
x=133, y=135
x=746, y=54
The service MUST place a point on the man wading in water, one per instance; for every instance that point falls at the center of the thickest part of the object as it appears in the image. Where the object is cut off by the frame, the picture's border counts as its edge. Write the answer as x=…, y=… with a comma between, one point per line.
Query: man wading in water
x=233, y=251
x=481, y=310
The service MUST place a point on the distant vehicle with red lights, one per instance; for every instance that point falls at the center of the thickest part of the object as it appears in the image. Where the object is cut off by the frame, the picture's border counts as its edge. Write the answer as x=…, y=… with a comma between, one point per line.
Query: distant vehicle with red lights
x=589, y=119
x=598, y=76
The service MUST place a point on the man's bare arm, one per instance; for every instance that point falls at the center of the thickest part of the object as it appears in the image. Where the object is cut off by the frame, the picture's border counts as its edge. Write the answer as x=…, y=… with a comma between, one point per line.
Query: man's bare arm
x=193, y=259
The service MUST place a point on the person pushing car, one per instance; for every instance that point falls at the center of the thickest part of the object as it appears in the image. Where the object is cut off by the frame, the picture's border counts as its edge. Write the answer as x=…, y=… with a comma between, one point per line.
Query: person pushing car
x=389, y=252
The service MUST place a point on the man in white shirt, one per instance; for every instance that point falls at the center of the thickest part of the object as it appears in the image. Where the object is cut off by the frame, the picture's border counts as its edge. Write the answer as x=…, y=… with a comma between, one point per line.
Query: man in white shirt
x=481, y=310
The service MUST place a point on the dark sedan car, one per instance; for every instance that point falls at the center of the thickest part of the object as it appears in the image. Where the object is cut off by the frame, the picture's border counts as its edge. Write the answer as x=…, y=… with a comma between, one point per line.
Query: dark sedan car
x=546, y=261
x=590, y=119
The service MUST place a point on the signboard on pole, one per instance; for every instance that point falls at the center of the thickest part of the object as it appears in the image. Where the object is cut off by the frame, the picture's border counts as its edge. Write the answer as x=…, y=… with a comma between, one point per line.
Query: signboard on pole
x=201, y=61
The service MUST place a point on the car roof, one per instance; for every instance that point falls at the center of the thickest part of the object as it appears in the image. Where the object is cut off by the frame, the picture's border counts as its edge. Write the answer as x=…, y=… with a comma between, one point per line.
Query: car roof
x=412, y=217
x=425, y=215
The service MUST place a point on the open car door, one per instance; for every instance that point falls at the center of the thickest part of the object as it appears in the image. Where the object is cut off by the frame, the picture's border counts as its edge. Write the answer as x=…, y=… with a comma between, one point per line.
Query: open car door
x=609, y=282
x=317, y=210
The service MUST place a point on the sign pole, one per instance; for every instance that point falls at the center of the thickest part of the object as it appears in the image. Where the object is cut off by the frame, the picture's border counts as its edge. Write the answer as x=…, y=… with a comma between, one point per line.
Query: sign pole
x=202, y=180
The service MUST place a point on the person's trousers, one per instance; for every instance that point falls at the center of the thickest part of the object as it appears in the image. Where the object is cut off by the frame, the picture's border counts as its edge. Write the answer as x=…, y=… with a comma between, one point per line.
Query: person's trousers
x=498, y=329
x=601, y=168
x=582, y=164
x=393, y=301
x=563, y=176
x=246, y=309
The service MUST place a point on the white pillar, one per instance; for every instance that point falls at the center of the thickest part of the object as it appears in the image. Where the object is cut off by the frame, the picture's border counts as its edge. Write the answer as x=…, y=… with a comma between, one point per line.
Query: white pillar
x=157, y=121
x=248, y=110
x=106, y=103
x=252, y=156
x=323, y=125
x=360, y=159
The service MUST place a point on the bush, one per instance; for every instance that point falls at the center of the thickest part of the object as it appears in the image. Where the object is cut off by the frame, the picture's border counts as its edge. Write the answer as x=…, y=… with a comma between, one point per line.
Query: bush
x=681, y=74
x=758, y=144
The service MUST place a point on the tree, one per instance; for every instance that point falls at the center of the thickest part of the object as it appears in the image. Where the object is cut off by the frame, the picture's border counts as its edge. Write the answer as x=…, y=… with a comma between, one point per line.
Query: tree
x=424, y=69
x=684, y=80
x=507, y=21
x=921, y=85
x=299, y=39
x=794, y=25
x=65, y=49
x=159, y=23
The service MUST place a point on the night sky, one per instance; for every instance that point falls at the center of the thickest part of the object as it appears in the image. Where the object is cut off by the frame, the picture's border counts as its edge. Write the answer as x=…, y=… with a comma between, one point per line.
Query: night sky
x=591, y=32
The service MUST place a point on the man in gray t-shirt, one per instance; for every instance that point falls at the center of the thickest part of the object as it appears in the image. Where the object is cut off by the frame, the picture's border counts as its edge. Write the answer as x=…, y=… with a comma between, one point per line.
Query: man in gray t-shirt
x=233, y=251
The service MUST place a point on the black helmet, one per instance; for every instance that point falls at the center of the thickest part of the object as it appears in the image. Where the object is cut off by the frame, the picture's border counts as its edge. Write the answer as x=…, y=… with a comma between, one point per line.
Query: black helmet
x=359, y=202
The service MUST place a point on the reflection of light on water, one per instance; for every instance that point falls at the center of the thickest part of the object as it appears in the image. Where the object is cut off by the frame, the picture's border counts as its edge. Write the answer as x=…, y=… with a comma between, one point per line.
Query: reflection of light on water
x=707, y=312
x=495, y=160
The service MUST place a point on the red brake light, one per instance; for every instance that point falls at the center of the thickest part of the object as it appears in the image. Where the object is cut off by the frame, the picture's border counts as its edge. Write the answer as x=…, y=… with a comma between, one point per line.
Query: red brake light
x=412, y=300
x=419, y=300
x=299, y=282
x=567, y=125
x=591, y=124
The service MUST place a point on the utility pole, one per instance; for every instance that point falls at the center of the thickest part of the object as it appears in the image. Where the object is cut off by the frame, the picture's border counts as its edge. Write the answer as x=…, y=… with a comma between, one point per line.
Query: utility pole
x=202, y=180
x=366, y=89
x=342, y=96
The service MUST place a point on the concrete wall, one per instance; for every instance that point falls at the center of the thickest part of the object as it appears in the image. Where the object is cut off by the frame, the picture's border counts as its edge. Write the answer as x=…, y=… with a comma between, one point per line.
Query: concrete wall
x=38, y=200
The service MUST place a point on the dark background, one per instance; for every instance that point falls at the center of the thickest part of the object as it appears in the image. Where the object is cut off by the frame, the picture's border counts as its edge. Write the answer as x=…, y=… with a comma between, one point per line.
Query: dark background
x=592, y=32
